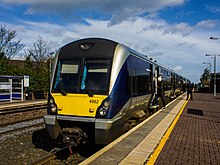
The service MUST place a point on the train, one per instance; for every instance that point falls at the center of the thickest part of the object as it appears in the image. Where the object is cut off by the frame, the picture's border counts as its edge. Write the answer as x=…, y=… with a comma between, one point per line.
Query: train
x=98, y=86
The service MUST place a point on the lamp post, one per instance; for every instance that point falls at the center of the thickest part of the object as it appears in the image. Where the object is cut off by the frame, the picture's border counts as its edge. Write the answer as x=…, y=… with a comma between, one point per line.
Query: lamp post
x=214, y=55
x=215, y=38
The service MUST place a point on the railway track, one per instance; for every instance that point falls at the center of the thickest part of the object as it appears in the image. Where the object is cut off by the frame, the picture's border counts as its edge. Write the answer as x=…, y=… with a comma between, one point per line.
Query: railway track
x=52, y=156
x=22, y=107
x=68, y=155
x=20, y=120
x=23, y=125
x=80, y=153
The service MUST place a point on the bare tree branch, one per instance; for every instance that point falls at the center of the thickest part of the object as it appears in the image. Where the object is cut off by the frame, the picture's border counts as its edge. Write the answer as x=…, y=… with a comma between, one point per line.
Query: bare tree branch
x=9, y=47
x=39, y=53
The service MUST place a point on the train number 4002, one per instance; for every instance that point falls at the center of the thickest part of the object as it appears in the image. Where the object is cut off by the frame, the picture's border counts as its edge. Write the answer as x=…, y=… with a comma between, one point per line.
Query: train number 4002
x=94, y=101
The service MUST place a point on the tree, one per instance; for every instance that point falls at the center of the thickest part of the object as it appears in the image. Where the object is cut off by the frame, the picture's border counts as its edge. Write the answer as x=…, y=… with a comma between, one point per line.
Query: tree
x=8, y=46
x=28, y=70
x=38, y=57
x=8, y=49
x=3, y=64
x=205, y=77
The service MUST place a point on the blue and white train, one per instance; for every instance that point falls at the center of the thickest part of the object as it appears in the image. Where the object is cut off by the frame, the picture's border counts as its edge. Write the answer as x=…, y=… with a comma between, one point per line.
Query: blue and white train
x=99, y=86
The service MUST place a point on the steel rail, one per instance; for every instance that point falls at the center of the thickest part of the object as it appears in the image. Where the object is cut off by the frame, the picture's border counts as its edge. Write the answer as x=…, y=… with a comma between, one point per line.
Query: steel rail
x=21, y=128
x=48, y=158
x=23, y=108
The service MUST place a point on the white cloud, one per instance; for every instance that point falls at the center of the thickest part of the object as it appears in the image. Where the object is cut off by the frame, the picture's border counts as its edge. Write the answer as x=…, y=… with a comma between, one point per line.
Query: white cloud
x=110, y=5
x=183, y=53
x=118, y=9
x=213, y=9
x=178, y=68
x=182, y=28
x=208, y=24
x=179, y=46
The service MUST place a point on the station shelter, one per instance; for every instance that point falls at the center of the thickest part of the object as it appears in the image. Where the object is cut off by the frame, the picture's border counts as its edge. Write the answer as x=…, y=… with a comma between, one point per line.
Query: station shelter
x=12, y=88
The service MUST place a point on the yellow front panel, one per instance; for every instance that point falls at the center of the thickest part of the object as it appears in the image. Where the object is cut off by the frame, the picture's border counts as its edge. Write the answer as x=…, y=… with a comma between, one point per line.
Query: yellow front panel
x=78, y=104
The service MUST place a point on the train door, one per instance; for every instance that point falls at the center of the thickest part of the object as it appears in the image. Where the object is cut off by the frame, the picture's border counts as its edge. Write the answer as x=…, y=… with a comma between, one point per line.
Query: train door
x=174, y=82
x=152, y=78
x=172, y=85
x=132, y=87
x=157, y=76
x=153, y=75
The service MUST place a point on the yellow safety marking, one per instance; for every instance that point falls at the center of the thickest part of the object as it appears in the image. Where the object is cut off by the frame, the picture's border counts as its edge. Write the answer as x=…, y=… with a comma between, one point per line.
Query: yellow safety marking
x=157, y=151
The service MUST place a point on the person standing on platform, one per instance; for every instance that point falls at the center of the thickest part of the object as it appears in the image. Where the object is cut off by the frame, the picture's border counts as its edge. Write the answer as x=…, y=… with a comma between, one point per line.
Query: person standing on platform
x=189, y=88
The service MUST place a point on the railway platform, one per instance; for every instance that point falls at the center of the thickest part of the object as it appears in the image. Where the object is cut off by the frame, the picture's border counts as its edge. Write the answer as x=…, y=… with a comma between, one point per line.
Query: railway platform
x=195, y=138
x=187, y=132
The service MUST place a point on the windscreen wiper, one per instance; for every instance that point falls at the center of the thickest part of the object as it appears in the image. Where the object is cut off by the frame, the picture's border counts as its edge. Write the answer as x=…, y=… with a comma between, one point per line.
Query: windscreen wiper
x=88, y=89
x=85, y=84
x=62, y=91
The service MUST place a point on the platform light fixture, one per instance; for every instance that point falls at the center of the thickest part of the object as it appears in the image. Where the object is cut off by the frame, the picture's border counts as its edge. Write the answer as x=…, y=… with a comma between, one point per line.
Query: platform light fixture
x=214, y=56
x=214, y=38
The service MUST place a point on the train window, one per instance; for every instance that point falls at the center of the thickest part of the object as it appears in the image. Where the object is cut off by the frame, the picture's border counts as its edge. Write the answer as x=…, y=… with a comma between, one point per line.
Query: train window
x=95, y=76
x=57, y=78
x=98, y=70
x=66, y=77
x=98, y=75
x=141, y=77
x=142, y=81
x=67, y=68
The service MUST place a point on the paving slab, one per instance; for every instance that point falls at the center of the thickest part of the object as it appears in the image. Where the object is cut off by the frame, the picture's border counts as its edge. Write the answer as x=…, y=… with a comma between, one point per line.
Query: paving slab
x=195, y=138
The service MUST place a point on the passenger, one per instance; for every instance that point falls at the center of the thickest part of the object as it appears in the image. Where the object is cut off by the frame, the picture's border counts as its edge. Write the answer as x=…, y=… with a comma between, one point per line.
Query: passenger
x=160, y=92
x=189, y=88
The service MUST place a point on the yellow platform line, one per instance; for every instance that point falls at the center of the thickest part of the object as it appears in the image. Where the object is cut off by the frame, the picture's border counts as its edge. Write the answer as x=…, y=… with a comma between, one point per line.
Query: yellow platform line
x=157, y=151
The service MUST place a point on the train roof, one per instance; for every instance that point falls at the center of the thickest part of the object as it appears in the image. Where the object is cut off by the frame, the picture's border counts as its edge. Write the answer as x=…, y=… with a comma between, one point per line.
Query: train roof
x=88, y=46
x=107, y=46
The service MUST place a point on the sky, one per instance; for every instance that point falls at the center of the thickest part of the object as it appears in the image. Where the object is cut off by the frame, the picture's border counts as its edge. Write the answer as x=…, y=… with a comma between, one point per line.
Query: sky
x=176, y=33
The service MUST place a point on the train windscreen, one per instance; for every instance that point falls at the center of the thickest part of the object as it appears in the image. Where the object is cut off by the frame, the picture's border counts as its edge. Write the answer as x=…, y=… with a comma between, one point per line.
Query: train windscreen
x=89, y=76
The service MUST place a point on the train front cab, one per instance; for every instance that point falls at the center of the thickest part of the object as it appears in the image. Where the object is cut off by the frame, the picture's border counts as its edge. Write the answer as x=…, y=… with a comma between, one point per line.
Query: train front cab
x=81, y=106
x=79, y=91
x=76, y=96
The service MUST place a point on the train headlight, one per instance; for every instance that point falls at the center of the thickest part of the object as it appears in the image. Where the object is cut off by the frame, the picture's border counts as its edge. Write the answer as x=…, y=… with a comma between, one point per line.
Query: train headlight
x=103, y=111
x=106, y=104
x=51, y=101
x=52, y=106
x=104, y=107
